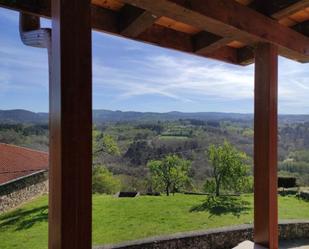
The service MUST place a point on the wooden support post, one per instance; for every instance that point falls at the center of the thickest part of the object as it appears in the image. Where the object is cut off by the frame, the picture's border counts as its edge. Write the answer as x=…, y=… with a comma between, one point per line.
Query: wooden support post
x=265, y=146
x=70, y=126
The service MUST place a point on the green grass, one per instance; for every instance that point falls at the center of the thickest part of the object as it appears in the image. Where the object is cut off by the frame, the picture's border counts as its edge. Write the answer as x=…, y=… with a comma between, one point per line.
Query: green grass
x=116, y=220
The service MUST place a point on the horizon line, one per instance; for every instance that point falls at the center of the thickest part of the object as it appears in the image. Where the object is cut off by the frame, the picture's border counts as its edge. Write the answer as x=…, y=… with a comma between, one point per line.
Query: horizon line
x=193, y=112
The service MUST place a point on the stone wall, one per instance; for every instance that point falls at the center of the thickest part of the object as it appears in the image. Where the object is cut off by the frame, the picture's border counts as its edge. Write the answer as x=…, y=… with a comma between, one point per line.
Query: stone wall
x=22, y=189
x=223, y=238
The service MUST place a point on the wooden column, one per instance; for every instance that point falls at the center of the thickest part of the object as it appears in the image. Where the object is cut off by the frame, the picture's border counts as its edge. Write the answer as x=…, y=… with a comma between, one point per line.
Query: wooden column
x=70, y=126
x=265, y=146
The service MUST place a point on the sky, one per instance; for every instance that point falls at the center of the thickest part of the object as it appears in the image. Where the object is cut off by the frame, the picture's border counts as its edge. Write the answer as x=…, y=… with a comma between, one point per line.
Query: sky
x=133, y=76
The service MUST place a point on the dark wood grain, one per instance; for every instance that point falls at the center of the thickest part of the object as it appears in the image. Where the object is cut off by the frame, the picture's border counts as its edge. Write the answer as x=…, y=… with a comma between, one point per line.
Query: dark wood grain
x=70, y=126
x=265, y=146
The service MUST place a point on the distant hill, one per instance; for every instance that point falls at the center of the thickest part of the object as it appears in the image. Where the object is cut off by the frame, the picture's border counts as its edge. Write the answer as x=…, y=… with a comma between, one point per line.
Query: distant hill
x=100, y=116
x=105, y=115
x=22, y=116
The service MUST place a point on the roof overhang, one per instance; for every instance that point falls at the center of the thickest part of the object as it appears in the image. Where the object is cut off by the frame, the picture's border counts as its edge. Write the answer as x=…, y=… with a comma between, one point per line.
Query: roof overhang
x=225, y=30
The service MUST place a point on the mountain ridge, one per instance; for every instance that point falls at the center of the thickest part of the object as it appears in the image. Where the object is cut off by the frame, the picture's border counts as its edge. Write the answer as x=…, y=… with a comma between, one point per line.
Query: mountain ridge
x=102, y=115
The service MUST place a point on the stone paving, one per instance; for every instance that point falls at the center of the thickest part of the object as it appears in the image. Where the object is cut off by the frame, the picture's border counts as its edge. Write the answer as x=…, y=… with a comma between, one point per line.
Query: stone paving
x=296, y=244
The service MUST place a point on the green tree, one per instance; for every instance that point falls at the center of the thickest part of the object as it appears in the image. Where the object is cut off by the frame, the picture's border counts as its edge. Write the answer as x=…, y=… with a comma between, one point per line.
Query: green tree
x=229, y=170
x=170, y=173
x=103, y=181
x=104, y=143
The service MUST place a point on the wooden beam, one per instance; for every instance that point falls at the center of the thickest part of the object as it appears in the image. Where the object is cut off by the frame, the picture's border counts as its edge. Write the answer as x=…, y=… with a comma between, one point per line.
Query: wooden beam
x=108, y=21
x=104, y=20
x=228, y=18
x=172, y=39
x=282, y=10
x=302, y=28
x=245, y=55
x=134, y=21
x=277, y=10
x=205, y=42
x=265, y=146
x=70, y=126
x=33, y=7
x=290, y=9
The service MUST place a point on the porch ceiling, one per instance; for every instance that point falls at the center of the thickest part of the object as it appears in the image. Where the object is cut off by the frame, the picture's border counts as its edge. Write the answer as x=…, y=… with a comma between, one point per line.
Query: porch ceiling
x=226, y=30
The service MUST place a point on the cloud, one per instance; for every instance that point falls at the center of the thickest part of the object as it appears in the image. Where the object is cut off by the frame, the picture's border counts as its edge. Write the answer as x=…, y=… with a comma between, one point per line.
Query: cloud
x=175, y=77
x=24, y=68
x=125, y=72
x=191, y=79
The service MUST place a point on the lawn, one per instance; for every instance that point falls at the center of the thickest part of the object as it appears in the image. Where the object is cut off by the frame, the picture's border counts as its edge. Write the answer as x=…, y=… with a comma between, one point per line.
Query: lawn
x=116, y=220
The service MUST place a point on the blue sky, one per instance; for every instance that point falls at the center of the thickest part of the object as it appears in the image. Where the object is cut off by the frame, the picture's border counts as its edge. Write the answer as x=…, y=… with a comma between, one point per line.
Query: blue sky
x=134, y=76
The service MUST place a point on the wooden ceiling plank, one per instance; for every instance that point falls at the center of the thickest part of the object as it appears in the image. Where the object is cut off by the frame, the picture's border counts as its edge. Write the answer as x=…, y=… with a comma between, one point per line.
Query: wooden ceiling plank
x=172, y=24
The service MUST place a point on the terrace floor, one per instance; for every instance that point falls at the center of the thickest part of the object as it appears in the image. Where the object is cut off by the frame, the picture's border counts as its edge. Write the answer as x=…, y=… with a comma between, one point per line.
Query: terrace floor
x=291, y=244
x=297, y=244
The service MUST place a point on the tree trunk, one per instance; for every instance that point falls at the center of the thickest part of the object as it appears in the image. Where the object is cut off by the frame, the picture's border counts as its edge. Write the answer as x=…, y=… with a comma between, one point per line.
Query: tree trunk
x=217, y=188
x=167, y=189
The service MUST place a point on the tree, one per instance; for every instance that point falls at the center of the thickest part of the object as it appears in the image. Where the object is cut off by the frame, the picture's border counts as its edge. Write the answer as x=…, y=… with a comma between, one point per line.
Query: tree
x=103, y=181
x=104, y=143
x=228, y=168
x=170, y=173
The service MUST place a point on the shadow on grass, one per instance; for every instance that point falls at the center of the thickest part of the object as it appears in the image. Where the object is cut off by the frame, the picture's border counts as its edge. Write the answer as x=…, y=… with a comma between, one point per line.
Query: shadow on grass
x=24, y=219
x=223, y=205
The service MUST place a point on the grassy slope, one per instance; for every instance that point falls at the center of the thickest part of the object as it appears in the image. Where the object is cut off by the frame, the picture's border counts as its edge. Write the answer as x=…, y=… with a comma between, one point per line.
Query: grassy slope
x=116, y=220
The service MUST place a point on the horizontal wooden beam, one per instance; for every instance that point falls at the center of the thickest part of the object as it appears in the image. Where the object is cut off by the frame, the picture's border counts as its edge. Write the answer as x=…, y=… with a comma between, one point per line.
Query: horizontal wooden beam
x=302, y=28
x=277, y=10
x=104, y=20
x=284, y=9
x=289, y=9
x=172, y=39
x=134, y=21
x=205, y=42
x=245, y=55
x=108, y=21
x=228, y=18
x=33, y=7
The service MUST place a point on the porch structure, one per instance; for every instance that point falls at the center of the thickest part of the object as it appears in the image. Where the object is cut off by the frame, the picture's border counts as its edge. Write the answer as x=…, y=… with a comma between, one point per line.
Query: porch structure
x=234, y=31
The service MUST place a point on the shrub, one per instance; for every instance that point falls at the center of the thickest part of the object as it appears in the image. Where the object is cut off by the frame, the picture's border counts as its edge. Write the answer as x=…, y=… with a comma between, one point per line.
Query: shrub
x=103, y=181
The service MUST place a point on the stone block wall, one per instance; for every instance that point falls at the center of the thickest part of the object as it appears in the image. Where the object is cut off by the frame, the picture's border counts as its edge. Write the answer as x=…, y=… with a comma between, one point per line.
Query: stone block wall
x=223, y=238
x=22, y=189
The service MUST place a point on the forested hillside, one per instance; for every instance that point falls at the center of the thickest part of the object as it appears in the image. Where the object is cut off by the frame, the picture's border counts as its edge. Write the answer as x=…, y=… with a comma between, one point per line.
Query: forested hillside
x=125, y=147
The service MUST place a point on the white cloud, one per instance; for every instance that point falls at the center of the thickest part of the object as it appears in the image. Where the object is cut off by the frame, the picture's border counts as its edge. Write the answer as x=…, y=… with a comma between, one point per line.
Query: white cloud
x=176, y=77
x=190, y=79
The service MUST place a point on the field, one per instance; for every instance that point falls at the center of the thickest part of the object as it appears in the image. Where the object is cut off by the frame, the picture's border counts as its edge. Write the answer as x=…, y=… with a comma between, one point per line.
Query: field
x=116, y=220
